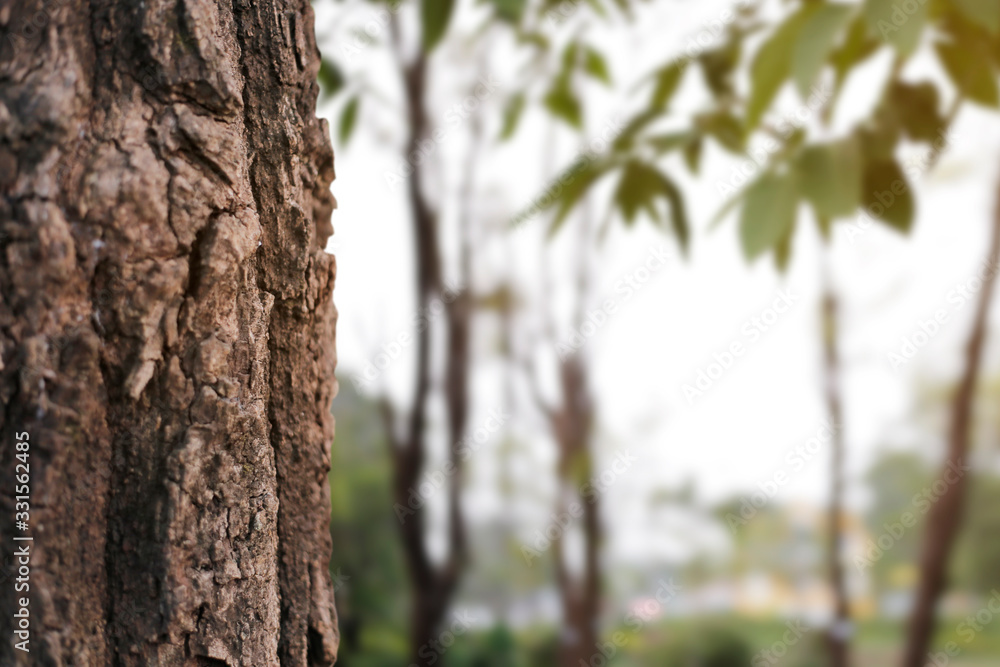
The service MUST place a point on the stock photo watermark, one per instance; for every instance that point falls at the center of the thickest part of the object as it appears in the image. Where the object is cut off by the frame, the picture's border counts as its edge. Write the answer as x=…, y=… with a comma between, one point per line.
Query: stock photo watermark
x=434, y=481
x=796, y=460
x=453, y=118
x=596, y=146
x=967, y=630
x=752, y=331
x=393, y=349
x=371, y=31
x=902, y=12
x=759, y=155
x=963, y=293
x=635, y=620
x=593, y=489
x=921, y=502
x=433, y=650
x=773, y=654
x=913, y=168
x=625, y=288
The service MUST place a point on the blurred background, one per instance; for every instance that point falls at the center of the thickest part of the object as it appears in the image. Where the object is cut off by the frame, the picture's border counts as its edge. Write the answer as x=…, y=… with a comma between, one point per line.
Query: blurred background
x=665, y=332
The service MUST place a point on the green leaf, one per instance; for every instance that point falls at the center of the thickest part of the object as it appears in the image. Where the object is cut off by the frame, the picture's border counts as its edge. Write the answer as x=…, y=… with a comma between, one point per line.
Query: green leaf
x=895, y=25
x=640, y=188
x=348, y=119
x=570, y=186
x=718, y=66
x=512, y=116
x=667, y=78
x=783, y=250
x=985, y=13
x=563, y=103
x=434, y=18
x=768, y=212
x=637, y=190
x=569, y=57
x=825, y=226
x=816, y=42
x=510, y=11
x=595, y=65
x=772, y=63
x=887, y=195
x=917, y=107
x=724, y=128
x=626, y=137
x=692, y=153
x=857, y=46
x=678, y=213
x=830, y=177
x=331, y=78
x=597, y=7
x=534, y=38
x=664, y=143
x=727, y=208
x=966, y=66
x=880, y=139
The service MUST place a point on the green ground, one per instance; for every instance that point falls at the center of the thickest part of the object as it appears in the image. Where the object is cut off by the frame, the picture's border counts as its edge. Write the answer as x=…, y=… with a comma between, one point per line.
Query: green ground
x=725, y=641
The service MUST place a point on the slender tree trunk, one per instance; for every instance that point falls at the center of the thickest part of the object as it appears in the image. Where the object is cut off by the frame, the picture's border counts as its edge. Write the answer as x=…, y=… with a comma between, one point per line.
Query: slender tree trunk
x=433, y=585
x=573, y=427
x=166, y=330
x=945, y=517
x=839, y=634
x=580, y=594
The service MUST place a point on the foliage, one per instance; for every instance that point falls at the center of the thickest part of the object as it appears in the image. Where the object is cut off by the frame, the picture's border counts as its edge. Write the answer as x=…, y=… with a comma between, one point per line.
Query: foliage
x=367, y=565
x=897, y=480
x=712, y=645
x=817, y=42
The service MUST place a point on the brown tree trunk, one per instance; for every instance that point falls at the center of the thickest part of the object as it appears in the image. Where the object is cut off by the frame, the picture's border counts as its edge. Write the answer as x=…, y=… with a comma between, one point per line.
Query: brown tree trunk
x=166, y=329
x=838, y=638
x=580, y=595
x=572, y=425
x=433, y=584
x=945, y=516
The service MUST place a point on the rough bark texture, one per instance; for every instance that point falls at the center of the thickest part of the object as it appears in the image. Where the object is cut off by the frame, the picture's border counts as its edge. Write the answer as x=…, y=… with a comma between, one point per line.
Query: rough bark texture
x=166, y=330
x=945, y=517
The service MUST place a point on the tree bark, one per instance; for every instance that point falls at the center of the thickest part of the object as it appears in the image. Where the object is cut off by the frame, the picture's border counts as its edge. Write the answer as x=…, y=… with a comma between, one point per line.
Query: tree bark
x=167, y=331
x=945, y=516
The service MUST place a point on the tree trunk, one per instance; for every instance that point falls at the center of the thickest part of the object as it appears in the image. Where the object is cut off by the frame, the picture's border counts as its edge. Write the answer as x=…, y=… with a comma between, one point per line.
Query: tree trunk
x=945, y=517
x=433, y=584
x=573, y=425
x=838, y=637
x=580, y=595
x=166, y=328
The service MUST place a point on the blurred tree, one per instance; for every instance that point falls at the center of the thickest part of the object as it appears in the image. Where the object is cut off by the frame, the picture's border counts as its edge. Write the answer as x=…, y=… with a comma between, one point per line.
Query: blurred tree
x=813, y=40
x=416, y=31
x=571, y=417
x=433, y=584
